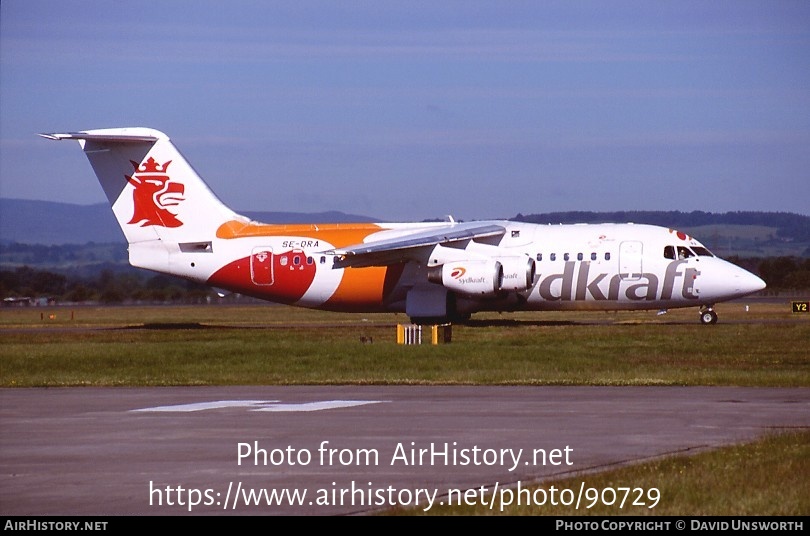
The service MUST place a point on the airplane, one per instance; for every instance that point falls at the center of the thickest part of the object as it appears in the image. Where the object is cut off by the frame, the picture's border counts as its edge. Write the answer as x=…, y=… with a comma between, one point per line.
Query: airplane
x=434, y=272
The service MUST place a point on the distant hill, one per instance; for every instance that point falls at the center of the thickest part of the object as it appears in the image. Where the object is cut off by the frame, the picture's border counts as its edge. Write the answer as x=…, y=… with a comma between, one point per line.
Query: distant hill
x=741, y=234
x=728, y=234
x=49, y=223
x=786, y=224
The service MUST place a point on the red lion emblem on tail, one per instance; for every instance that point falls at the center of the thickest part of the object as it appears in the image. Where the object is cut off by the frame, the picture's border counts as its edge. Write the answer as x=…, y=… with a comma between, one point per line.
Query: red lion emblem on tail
x=154, y=193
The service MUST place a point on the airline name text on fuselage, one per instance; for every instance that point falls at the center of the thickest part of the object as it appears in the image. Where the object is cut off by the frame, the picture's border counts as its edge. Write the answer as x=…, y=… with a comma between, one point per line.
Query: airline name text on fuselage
x=579, y=284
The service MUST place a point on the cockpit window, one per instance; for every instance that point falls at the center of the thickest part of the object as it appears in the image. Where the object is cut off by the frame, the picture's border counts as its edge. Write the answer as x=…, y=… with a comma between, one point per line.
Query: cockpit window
x=684, y=252
x=702, y=252
x=669, y=252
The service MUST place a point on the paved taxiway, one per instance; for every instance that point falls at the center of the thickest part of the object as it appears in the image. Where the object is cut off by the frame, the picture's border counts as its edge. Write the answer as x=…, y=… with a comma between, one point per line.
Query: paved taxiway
x=110, y=451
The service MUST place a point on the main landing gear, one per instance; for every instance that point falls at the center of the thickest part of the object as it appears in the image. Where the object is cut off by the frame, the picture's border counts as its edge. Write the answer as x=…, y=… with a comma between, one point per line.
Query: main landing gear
x=707, y=315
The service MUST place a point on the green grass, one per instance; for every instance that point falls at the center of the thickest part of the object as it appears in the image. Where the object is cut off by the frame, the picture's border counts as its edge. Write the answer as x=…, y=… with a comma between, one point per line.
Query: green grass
x=762, y=478
x=535, y=355
x=260, y=345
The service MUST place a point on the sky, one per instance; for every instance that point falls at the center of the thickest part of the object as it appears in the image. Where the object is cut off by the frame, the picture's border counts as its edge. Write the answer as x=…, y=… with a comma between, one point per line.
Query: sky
x=405, y=111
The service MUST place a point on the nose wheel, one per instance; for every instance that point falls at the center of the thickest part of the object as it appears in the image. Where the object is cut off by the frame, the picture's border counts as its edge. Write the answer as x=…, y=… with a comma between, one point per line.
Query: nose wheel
x=708, y=316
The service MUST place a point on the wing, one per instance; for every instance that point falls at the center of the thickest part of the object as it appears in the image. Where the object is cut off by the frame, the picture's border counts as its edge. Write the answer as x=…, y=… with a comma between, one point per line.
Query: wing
x=407, y=246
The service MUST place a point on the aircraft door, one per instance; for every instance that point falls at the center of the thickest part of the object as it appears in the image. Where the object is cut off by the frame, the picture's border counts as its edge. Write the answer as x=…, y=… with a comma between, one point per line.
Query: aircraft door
x=261, y=266
x=630, y=260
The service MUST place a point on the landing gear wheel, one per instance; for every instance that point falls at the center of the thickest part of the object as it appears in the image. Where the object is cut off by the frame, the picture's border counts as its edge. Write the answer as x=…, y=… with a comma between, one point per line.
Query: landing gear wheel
x=708, y=316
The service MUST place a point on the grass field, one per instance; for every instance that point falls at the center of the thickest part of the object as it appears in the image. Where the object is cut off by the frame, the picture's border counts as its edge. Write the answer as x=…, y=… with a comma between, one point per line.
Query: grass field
x=753, y=344
x=276, y=345
x=763, y=478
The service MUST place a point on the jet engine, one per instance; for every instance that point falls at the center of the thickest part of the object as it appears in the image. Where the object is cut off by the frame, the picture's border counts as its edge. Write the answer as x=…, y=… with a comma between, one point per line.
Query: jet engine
x=518, y=273
x=485, y=278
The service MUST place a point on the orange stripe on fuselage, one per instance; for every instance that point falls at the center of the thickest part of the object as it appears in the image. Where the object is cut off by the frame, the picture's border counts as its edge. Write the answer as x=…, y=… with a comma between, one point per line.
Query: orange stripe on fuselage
x=363, y=288
x=337, y=234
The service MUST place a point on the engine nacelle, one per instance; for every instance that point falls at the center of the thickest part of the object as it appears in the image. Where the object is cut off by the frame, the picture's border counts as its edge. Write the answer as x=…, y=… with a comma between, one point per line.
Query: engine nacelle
x=473, y=278
x=485, y=278
x=518, y=273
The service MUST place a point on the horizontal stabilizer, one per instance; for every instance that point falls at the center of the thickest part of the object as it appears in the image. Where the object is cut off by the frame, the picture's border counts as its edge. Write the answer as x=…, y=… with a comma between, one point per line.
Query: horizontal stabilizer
x=120, y=138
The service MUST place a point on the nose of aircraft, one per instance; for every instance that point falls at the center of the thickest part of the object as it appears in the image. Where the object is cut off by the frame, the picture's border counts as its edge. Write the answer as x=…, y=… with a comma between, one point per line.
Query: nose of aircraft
x=721, y=280
x=744, y=282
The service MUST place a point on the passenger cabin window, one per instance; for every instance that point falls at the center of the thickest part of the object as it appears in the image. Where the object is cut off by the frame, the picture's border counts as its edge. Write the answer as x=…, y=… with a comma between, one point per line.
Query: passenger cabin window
x=566, y=256
x=539, y=257
x=553, y=256
x=607, y=255
x=669, y=252
x=579, y=256
x=593, y=256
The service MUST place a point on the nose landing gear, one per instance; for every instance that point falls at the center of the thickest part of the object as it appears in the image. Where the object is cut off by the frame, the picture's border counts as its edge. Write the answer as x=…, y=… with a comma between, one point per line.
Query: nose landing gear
x=707, y=315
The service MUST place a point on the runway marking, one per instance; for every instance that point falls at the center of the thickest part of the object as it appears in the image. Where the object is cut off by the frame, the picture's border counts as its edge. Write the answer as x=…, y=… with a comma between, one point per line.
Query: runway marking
x=258, y=405
x=201, y=406
x=318, y=406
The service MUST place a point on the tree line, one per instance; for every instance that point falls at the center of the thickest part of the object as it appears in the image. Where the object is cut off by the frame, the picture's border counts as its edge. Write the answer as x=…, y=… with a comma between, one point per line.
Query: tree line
x=107, y=286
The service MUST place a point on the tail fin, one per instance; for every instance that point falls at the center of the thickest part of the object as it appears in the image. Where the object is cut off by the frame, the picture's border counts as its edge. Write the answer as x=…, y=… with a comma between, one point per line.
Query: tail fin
x=160, y=202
